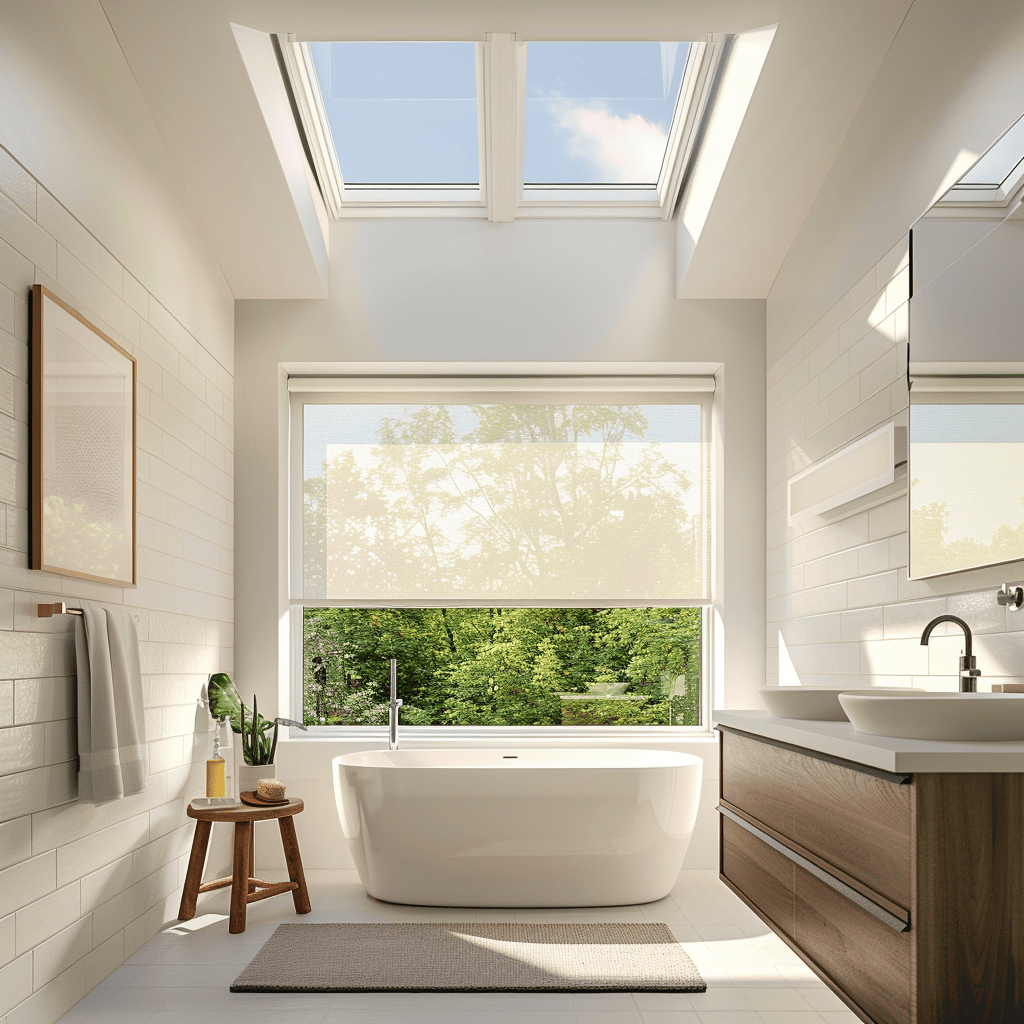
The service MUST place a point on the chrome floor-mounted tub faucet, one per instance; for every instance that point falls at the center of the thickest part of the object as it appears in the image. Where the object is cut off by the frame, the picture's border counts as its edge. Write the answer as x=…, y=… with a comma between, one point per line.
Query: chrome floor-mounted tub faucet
x=394, y=706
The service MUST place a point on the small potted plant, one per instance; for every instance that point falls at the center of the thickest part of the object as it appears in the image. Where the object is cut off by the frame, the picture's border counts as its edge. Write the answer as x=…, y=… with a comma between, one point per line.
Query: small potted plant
x=258, y=734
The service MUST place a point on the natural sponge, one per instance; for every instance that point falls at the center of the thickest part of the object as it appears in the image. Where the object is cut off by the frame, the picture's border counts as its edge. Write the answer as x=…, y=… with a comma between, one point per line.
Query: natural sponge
x=270, y=789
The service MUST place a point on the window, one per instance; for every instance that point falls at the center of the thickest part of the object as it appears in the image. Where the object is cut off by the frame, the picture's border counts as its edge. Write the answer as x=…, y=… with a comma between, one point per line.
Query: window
x=503, y=666
x=401, y=115
x=502, y=128
x=599, y=116
x=996, y=176
x=533, y=551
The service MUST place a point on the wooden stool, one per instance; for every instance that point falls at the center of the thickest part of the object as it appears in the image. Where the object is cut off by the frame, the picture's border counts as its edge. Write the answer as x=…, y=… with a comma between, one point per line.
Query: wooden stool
x=244, y=888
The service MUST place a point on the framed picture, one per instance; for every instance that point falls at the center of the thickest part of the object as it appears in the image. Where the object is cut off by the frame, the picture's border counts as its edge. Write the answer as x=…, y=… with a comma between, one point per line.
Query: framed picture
x=82, y=504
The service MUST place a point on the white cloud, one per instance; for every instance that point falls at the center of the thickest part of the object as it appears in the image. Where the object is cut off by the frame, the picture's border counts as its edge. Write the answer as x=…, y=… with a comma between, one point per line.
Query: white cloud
x=624, y=149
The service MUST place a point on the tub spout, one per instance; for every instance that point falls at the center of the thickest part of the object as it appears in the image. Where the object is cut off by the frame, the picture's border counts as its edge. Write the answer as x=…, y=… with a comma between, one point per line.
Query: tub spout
x=393, y=708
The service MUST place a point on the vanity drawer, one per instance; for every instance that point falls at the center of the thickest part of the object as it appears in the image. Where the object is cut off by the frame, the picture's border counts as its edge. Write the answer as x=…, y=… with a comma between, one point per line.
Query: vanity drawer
x=763, y=875
x=852, y=823
x=856, y=822
x=861, y=955
x=758, y=779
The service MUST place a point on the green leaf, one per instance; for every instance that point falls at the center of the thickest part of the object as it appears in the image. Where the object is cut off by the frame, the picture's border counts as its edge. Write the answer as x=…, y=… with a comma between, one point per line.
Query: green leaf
x=224, y=700
x=256, y=744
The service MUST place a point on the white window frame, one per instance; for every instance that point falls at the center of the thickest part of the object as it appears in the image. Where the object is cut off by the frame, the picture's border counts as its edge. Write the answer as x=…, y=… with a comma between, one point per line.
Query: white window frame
x=998, y=196
x=501, y=102
x=308, y=390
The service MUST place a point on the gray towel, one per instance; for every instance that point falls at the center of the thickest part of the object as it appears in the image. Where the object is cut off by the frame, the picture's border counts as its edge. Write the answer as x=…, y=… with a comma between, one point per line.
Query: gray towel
x=111, y=722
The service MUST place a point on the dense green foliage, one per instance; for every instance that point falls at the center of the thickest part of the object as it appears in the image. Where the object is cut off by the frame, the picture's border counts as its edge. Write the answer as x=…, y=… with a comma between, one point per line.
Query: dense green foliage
x=503, y=666
x=678, y=710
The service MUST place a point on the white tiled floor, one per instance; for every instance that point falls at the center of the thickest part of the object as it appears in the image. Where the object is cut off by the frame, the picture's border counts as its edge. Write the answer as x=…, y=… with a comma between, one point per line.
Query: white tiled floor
x=182, y=975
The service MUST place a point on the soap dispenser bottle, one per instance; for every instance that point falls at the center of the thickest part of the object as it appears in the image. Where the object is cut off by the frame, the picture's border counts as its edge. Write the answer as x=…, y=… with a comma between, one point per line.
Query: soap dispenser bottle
x=216, y=773
x=227, y=751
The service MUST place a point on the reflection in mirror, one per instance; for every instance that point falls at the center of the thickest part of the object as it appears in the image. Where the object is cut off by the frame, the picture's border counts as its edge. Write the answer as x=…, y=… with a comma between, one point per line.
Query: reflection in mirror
x=967, y=475
x=968, y=319
x=966, y=369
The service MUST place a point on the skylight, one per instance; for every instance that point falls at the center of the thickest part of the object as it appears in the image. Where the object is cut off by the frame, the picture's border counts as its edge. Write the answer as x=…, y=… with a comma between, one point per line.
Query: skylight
x=503, y=128
x=996, y=176
x=600, y=113
x=999, y=162
x=401, y=113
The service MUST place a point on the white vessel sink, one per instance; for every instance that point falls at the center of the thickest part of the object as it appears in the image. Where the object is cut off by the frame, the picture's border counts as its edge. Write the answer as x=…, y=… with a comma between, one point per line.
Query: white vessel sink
x=813, y=703
x=961, y=717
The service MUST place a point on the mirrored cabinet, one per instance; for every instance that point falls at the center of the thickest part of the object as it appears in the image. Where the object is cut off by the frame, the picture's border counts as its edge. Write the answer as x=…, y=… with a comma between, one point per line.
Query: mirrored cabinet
x=966, y=369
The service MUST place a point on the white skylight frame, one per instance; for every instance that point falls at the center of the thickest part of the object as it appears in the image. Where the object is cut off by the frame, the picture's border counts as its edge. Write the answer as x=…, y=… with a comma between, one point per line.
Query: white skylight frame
x=501, y=104
x=994, y=194
x=344, y=200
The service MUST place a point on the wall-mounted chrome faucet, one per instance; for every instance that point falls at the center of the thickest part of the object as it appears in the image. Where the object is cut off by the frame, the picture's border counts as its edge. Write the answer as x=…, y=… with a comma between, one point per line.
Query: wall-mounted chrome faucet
x=393, y=708
x=968, y=663
x=1011, y=596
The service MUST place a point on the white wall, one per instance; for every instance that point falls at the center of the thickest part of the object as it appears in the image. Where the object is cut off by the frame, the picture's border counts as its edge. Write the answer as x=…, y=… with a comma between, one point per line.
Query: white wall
x=838, y=595
x=82, y=886
x=522, y=293
x=73, y=115
x=951, y=83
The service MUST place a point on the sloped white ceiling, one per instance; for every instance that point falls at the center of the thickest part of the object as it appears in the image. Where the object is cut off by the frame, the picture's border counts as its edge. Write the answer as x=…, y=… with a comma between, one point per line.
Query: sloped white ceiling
x=187, y=64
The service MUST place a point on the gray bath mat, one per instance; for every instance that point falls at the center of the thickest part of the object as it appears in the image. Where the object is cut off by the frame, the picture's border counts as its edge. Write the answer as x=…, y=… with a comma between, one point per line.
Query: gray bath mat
x=502, y=957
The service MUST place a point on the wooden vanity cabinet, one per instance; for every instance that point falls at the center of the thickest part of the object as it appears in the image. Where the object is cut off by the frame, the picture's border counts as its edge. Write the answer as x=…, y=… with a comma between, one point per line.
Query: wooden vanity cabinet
x=904, y=893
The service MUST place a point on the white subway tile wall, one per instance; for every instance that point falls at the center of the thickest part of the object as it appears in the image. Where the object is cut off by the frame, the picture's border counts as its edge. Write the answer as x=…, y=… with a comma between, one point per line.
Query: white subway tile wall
x=841, y=610
x=83, y=886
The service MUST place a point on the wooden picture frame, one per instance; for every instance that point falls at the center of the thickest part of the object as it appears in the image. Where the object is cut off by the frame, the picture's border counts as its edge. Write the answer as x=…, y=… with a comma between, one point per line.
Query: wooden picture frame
x=83, y=389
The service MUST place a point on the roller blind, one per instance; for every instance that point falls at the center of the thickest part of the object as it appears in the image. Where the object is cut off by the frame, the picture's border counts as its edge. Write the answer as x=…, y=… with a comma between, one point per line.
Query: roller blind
x=498, y=492
x=966, y=390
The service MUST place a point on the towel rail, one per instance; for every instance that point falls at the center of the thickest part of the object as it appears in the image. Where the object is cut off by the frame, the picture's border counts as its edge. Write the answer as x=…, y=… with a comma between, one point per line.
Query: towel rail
x=46, y=611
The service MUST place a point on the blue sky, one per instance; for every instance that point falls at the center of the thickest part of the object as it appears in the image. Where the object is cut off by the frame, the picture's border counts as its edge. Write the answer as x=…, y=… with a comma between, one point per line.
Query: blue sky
x=599, y=112
x=406, y=113
x=401, y=113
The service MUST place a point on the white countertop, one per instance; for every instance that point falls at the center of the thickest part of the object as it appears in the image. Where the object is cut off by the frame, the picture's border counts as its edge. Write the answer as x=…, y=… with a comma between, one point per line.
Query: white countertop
x=892, y=755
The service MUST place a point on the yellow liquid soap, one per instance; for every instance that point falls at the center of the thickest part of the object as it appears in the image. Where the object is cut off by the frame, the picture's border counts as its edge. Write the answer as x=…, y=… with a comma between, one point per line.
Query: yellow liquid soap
x=216, y=773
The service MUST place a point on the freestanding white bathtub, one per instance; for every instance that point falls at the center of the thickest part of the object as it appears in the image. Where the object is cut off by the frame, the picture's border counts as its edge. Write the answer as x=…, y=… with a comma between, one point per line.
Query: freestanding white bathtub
x=518, y=828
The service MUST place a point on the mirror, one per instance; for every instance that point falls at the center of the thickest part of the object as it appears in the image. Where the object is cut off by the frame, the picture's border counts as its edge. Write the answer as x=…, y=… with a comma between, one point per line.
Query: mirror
x=966, y=369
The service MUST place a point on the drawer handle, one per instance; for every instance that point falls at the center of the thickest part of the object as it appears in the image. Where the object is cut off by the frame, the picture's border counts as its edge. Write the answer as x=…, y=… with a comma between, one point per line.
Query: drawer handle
x=862, y=901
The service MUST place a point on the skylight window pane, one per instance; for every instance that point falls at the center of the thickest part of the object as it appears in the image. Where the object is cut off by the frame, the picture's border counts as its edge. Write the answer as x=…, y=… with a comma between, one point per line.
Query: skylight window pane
x=600, y=113
x=995, y=166
x=401, y=113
